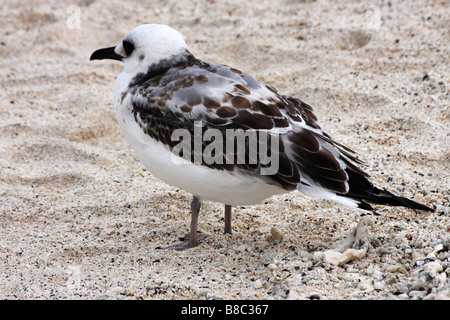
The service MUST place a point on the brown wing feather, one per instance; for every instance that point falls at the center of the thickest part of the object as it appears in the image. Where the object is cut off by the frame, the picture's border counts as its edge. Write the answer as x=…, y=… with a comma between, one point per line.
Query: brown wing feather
x=225, y=98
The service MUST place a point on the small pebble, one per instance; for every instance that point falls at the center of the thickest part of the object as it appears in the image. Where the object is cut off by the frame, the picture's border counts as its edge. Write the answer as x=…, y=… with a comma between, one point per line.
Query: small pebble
x=365, y=286
x=419, y=198
x=272, y=267
x=438, y=248
x=415, y=294
x=379, y=285
x=433, y=267
x=115, y=291
x=416, y=255
x=275, y=235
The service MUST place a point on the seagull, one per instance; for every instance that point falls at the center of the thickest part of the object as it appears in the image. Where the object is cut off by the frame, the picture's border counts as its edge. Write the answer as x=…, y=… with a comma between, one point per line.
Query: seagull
x=163, y=88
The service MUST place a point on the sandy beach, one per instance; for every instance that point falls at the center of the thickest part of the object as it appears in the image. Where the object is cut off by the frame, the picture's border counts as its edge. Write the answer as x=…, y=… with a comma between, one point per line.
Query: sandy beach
x=81, y=218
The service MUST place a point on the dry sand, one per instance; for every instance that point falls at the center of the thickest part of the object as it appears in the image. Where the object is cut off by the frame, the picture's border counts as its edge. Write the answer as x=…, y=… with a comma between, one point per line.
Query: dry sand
x=81, y=219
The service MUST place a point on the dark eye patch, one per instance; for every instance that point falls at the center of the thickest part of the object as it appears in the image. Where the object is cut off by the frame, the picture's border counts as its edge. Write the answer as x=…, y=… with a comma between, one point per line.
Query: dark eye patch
x=128, y=46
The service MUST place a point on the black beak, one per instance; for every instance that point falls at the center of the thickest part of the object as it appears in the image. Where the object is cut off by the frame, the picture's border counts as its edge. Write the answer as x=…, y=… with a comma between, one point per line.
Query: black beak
x=106, y=53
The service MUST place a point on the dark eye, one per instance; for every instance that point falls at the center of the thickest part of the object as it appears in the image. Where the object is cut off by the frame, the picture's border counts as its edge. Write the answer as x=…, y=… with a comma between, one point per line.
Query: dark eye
x=128, y=46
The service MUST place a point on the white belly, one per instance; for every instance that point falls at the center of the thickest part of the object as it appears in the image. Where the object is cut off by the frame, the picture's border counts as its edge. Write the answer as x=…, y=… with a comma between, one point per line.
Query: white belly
x=209, y=184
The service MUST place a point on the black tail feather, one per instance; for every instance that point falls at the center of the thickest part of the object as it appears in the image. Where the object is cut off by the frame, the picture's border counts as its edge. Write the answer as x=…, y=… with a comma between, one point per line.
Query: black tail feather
x=363, y=190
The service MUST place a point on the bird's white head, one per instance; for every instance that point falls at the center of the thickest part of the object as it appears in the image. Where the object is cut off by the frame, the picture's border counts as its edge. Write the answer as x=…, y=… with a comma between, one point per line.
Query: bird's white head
x=144, y=46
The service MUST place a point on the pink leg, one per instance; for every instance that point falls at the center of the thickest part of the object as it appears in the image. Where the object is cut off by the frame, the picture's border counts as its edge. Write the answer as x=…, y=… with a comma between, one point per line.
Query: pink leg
x=227, y=229
x=193, y=237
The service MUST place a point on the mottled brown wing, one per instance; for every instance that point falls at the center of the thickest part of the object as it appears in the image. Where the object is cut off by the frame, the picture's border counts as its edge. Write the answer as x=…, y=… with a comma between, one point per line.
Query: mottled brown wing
x=223, y=98
x=321, y=160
